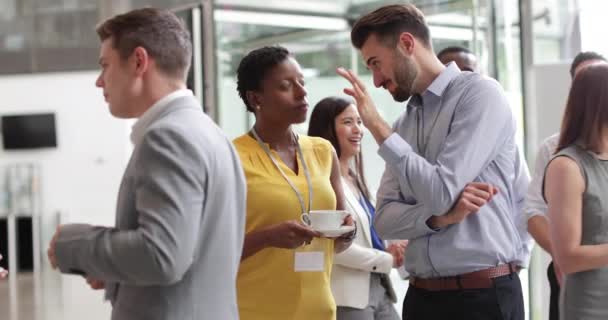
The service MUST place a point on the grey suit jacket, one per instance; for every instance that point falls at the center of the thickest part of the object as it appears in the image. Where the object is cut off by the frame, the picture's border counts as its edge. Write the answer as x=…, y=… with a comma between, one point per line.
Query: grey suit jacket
x=176, y=247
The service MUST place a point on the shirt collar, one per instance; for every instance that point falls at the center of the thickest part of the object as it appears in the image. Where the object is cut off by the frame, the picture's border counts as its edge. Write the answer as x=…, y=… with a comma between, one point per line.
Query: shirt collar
x=442, y=81
x=437, y=87
x=154, y=112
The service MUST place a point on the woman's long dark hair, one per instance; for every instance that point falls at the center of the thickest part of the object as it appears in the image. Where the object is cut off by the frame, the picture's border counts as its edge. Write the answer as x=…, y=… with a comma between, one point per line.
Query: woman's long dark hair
x=586, y=115
x=323, y=124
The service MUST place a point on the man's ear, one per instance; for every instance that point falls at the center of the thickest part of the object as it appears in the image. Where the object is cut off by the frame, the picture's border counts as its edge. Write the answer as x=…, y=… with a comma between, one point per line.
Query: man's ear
x=406, y=43
x=141, y=60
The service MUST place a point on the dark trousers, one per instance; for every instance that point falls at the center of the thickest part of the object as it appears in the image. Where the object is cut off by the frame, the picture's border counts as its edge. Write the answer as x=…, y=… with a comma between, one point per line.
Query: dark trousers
x=554, y=300
x=502, y=302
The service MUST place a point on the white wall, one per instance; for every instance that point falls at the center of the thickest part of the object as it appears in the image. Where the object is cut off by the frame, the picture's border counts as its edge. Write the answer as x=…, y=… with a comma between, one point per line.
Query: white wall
x=79, y=178
x=551, y=87
x=551, y=84
x=593, y=26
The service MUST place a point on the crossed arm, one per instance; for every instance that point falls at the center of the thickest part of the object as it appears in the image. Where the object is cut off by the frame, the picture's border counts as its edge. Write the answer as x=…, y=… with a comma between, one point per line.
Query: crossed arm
x=417, y=197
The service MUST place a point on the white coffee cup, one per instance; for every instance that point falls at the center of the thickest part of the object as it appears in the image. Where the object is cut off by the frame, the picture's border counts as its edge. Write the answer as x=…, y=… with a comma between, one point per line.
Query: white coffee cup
x=324, y=219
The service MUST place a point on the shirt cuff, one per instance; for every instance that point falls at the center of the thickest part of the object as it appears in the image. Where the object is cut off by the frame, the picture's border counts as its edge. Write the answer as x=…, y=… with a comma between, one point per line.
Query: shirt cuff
x=394, y=148
x=386, y=263
x=66, y=245
x=423, y=226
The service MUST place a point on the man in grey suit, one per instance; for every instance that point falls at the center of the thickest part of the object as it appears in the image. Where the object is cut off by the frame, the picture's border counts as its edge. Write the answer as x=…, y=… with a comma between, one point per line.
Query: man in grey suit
x=176, y=247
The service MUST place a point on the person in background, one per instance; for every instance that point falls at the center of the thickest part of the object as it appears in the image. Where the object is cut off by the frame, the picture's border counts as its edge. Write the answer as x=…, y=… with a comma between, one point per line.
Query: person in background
x=576, y=190
x=286, y=265
x=463, y=57
x=453, y=184
x=535, y=209
x=176, y=246
x=359, y=279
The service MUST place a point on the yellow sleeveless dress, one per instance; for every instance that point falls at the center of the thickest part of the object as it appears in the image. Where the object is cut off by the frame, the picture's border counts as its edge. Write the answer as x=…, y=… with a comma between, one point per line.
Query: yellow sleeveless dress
x=268, y=288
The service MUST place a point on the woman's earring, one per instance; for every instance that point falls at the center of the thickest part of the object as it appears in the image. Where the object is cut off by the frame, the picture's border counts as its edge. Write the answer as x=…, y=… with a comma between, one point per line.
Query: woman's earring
x=257, y=107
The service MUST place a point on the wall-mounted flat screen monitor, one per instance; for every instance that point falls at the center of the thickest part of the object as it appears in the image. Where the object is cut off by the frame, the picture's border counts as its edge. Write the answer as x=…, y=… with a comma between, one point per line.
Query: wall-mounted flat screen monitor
x=29, y=131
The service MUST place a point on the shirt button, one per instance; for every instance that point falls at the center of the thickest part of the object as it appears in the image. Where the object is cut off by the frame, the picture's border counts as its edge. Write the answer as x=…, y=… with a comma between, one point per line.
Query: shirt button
x=374, y=268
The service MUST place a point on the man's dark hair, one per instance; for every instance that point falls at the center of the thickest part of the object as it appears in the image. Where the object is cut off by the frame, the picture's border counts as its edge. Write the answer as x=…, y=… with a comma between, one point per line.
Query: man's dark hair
x=388, y=22
x=160, y=32
x=254, y=67
x=453, y=49
x=582, y=57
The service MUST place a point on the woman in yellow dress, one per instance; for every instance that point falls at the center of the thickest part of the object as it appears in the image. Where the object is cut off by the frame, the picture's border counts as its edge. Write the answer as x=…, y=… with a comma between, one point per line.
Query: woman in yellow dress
x=285, y=266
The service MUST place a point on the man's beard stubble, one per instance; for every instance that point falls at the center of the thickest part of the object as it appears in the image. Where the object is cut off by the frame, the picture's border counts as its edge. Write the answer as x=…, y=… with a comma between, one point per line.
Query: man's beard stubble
x=404, y=74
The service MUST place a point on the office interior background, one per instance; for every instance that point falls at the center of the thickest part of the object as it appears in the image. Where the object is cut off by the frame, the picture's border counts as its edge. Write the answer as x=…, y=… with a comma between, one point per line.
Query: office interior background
x=48, y=66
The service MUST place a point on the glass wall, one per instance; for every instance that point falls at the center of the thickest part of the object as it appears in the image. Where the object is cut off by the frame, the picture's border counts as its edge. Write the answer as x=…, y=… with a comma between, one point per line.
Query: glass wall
x=319, y=46
x=556, y=31
x=555, y=40
x=58, y=35
x=322, y=43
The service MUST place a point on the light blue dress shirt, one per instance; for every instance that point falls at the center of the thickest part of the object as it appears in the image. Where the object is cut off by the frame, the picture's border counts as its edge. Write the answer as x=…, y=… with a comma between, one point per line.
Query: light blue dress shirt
x=460, y=130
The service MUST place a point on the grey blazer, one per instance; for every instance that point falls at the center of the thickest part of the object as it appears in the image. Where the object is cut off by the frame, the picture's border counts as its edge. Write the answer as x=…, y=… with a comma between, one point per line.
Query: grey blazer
x=176, y=247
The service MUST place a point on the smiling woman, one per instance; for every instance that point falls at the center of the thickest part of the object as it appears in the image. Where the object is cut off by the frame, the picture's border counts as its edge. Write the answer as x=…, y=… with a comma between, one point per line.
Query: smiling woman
x=359, y=279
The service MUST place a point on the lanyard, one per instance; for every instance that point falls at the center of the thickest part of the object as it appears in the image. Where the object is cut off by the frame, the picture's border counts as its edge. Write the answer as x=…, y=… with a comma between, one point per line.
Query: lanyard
x=363, y=203
x=304, y=167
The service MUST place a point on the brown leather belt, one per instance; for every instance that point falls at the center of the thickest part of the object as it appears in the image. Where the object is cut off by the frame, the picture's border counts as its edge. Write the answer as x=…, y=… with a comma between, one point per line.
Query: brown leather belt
x=481, y=279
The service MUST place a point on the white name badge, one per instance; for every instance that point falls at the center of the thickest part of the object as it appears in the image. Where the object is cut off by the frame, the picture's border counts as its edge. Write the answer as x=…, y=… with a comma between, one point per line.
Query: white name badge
x=309, y=261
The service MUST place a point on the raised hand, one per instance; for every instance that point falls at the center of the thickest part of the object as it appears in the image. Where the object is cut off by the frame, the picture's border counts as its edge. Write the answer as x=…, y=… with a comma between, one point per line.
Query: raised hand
x=367, y=109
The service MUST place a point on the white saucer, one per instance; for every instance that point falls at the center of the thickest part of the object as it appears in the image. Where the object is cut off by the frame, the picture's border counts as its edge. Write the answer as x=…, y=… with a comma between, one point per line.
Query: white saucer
x=333, y=233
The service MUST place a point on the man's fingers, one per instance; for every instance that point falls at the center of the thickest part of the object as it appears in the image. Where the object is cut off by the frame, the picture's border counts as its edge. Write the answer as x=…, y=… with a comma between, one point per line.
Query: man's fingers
x=479, y=202
x=357, y=82
x=484, y=186
x=350, y=92
x=470, y=206
x=345, y=74
x=481, y=186
x=469, y=198
x=358, y=90
x=95, y=284
x=478, y=192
